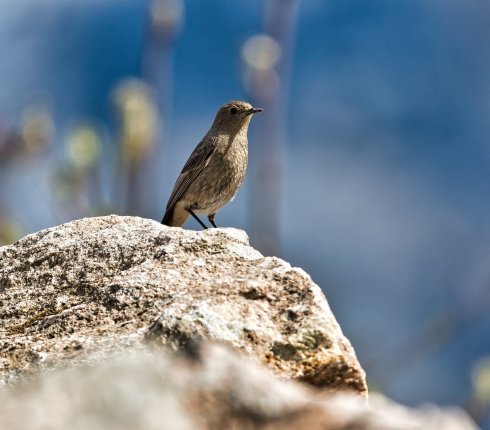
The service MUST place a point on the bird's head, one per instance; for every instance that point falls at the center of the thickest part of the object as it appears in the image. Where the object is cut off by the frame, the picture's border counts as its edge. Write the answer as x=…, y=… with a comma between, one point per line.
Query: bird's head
x=233, y=116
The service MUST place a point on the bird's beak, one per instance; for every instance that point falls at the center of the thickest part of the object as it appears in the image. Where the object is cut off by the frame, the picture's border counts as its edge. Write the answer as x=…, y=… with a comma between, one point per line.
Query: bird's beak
x=254, y=110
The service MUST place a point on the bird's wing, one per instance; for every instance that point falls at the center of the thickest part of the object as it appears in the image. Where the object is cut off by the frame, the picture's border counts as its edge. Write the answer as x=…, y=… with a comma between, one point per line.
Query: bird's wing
x=197, y=161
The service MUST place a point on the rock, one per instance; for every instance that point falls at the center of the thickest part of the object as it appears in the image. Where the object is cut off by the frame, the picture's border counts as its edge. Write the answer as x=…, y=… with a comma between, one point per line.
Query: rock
x=212, y=389
x=74, y=293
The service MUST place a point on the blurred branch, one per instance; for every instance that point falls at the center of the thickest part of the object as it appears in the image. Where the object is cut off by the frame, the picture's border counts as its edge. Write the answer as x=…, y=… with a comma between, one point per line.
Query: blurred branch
x=34, y=136
x=77, y=185
x=10, y=230
x=165, y=20
x=479, y=404
x=24, y=143
x=164, y=26
x=137, y=128
x=11, y=145
x=267, y=58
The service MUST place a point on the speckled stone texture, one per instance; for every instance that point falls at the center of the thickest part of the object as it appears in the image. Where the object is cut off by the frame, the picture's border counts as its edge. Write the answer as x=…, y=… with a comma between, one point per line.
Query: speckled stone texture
x=122, y=323
x=96, y=285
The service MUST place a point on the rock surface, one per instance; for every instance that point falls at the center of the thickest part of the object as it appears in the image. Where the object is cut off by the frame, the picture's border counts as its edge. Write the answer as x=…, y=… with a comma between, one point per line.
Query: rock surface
x=212, y=389
x=79, y=291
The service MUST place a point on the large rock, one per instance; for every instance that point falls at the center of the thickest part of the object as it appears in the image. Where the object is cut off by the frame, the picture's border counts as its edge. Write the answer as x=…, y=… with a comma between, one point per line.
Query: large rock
x=73, y=293
x=212, y=389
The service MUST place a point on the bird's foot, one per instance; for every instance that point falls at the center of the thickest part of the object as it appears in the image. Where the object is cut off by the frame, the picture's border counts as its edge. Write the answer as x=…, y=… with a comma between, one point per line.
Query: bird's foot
x=196, y=218
x=211, y=220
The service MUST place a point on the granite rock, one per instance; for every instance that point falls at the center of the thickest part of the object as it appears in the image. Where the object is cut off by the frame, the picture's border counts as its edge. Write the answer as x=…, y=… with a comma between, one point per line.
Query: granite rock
x=77, y=292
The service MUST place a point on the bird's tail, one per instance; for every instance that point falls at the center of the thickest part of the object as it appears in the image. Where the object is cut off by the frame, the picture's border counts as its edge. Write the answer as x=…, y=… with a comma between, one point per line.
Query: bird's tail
x=175, y=216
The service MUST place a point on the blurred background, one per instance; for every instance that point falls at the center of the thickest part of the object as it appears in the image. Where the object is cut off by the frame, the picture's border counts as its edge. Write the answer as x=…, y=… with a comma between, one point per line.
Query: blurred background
x=369, y=168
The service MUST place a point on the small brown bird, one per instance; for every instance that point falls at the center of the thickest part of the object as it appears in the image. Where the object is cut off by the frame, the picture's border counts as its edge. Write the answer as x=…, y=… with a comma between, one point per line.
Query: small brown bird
x=216, y=168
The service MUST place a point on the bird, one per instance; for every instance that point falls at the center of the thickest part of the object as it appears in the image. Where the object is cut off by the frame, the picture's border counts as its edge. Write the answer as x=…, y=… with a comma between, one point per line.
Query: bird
x=215, y=169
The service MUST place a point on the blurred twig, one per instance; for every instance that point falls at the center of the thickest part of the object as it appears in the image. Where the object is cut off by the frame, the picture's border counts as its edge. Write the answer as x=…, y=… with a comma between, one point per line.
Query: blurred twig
x=137, y=126
x=33, y=137
x=165, y=20
x=77, y=185
x=479, y=404
x=11, y=145
x=164, y=26
x=267, y=58
x=10, y=229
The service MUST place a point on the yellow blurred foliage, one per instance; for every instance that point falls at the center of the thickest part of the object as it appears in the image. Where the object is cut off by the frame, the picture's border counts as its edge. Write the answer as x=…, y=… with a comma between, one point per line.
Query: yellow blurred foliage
x=138, y=120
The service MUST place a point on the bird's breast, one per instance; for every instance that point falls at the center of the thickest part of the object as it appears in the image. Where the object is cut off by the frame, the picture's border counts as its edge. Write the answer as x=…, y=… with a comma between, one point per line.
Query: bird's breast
x=231, y=165
x=219, y=181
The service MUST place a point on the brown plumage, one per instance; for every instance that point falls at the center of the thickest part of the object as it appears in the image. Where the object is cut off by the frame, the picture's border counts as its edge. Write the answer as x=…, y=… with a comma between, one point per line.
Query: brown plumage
x=211, y=176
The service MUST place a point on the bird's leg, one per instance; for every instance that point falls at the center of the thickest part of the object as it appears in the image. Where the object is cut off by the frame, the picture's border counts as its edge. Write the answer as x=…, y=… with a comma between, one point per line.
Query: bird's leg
x=211, y=220
x=196, y=217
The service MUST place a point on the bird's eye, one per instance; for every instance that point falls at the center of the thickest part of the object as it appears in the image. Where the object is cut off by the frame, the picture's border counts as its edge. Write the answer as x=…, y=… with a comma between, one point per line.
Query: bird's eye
x=233, y=110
